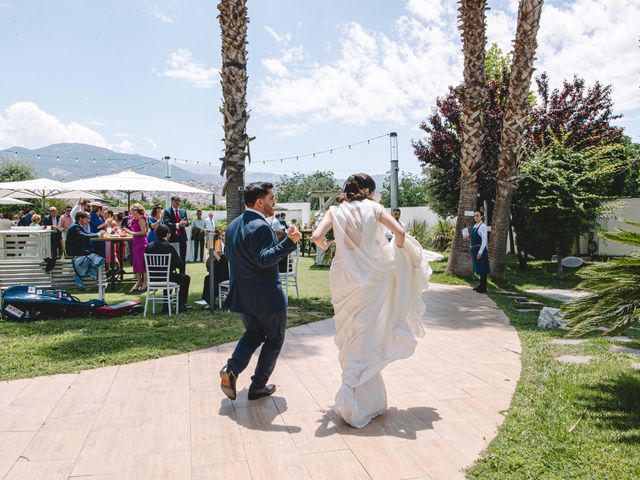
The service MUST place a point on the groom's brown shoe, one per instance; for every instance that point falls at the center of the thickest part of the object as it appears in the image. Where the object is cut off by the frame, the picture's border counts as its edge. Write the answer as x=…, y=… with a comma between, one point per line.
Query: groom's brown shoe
x=261, y=392
x=228, y=382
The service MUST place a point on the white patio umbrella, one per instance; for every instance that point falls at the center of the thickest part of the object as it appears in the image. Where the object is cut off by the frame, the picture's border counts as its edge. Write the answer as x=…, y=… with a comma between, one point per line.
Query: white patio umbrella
x=130, y=182
x=42, y=188
x=12, y=201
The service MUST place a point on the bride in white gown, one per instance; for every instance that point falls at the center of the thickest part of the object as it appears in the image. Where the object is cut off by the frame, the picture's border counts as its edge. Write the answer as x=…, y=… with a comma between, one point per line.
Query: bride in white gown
x=376, y=290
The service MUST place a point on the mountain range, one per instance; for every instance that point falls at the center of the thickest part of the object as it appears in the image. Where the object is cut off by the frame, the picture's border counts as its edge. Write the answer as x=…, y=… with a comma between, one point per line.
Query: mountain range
x=72, y=161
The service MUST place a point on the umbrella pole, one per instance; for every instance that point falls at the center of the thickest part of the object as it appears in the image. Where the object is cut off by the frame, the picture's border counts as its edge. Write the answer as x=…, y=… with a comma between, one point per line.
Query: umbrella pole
x=128, y=200
x=44, y=203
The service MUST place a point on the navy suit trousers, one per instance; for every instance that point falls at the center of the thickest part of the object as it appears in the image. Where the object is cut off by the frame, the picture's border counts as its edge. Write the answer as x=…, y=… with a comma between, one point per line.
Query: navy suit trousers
x=260, y=329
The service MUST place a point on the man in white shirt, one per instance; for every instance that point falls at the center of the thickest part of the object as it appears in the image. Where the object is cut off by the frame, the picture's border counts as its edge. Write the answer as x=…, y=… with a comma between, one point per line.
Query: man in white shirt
x=209, y=224
x=276, y=225
x=395, y=213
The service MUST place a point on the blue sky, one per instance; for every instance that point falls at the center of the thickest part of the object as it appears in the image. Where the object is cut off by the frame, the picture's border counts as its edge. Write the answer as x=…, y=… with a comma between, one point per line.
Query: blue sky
x=141, y=76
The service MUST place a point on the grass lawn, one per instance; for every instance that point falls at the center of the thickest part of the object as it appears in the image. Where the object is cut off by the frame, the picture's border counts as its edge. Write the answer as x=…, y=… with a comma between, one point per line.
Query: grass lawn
x=69, y=345
x=565, y=421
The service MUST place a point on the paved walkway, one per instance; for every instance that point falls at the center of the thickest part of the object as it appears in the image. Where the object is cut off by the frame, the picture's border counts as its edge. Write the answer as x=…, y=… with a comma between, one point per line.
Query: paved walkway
x=168, y=419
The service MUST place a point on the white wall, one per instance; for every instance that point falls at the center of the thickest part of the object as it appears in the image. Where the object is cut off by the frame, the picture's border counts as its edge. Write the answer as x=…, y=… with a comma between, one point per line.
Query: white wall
x=626, y=209
x=421, y=214
x=301, y=211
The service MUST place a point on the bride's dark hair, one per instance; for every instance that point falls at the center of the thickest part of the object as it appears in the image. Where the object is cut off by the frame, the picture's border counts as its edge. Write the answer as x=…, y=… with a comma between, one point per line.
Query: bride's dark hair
x=355, y=188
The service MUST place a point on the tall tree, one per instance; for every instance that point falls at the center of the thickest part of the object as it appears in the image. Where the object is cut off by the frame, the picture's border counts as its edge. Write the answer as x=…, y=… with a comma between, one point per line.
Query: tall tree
x=233, y=25
x=581, y=113
x=512, y=130
x=411, y=190
x=473, y=17
x=561, y=192
x=296, y=187
x=11, y=171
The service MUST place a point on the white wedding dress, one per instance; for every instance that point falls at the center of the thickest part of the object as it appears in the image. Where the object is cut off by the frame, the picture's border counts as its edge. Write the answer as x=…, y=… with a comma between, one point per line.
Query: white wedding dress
x=376, y=291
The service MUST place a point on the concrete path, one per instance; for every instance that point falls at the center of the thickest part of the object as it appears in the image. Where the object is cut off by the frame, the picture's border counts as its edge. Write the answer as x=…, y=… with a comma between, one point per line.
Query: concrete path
x=168, y=419
x=564, y=295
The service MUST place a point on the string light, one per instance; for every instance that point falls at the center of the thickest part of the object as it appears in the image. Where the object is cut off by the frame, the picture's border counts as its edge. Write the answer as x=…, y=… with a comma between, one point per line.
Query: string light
x=300, y=156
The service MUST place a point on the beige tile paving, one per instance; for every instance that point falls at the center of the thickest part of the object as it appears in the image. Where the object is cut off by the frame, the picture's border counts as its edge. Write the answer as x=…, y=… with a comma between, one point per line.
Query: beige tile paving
x=167, y=419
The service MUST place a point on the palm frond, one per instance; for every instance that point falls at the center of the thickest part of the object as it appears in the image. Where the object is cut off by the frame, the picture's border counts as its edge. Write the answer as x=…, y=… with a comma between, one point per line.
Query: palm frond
x=614, y=286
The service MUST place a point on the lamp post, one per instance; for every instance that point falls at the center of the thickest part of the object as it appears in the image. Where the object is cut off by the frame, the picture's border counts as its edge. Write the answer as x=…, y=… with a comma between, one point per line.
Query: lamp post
x=212, y=291
x=167, y=175
x=393, y=140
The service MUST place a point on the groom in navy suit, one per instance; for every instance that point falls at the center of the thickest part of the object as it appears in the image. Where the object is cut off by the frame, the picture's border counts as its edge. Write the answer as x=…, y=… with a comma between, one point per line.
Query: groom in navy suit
x=253, y=252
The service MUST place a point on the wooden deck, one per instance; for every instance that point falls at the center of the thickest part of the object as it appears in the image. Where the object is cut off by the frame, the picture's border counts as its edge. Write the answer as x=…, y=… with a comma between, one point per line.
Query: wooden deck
x=168, y=419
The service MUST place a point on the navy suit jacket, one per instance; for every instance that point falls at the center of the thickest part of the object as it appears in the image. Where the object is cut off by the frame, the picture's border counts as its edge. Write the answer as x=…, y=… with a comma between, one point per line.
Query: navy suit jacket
x=253, y=252
x=169, y=220
x=77, y=243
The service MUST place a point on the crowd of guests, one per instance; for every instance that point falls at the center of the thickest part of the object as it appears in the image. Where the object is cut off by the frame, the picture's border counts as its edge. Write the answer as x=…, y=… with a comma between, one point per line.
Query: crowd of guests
x=76, y=233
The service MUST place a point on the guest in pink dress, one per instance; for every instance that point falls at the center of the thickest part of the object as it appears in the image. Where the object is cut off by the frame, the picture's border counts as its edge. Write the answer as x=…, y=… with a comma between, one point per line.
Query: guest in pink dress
x=138, y=226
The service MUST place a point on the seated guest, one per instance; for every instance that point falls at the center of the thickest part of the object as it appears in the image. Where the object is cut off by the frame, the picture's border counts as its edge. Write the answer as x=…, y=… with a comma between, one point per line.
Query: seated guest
x=35, y=220
x=220, y=270
x=162, y=246
x=5, y=222
x=77, y=243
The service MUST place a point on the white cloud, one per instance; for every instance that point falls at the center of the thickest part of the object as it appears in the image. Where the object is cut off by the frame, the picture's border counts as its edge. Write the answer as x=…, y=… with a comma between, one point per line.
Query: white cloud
x=601, y=45
x=282, y=130
x=275, y=66
x=26, y=125
x=395, y=78
x=375, y=78
x=183, y=66
x=152, y=143
x=284, y=39
x=125, y=146
x=166, y=11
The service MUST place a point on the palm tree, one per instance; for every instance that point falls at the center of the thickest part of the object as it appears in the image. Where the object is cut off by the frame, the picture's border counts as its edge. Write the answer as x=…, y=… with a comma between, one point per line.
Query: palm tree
x=614, y=302
x=473, y=17
x=512, y=130
x=233, y=24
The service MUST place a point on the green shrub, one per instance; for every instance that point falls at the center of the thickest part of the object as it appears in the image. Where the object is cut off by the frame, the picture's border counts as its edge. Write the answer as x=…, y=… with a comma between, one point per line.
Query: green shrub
x=420, y=231
x=440, y=236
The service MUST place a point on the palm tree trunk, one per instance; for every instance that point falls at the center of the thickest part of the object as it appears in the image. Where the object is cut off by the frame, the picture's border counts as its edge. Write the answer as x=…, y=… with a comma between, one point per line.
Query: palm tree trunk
x=460, y=262
x=512, y=130
x=473, y=17
x=233, y=25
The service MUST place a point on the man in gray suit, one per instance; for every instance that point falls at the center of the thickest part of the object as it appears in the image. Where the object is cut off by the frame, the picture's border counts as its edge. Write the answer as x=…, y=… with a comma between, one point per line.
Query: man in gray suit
x=253, y=252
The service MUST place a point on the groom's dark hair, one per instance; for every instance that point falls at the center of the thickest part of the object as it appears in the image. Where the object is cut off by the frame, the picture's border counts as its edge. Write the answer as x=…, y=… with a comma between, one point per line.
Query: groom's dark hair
x=254, y=191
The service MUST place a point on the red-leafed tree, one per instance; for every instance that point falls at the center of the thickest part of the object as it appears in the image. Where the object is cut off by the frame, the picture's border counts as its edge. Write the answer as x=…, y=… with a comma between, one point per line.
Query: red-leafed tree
x=581, y=113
